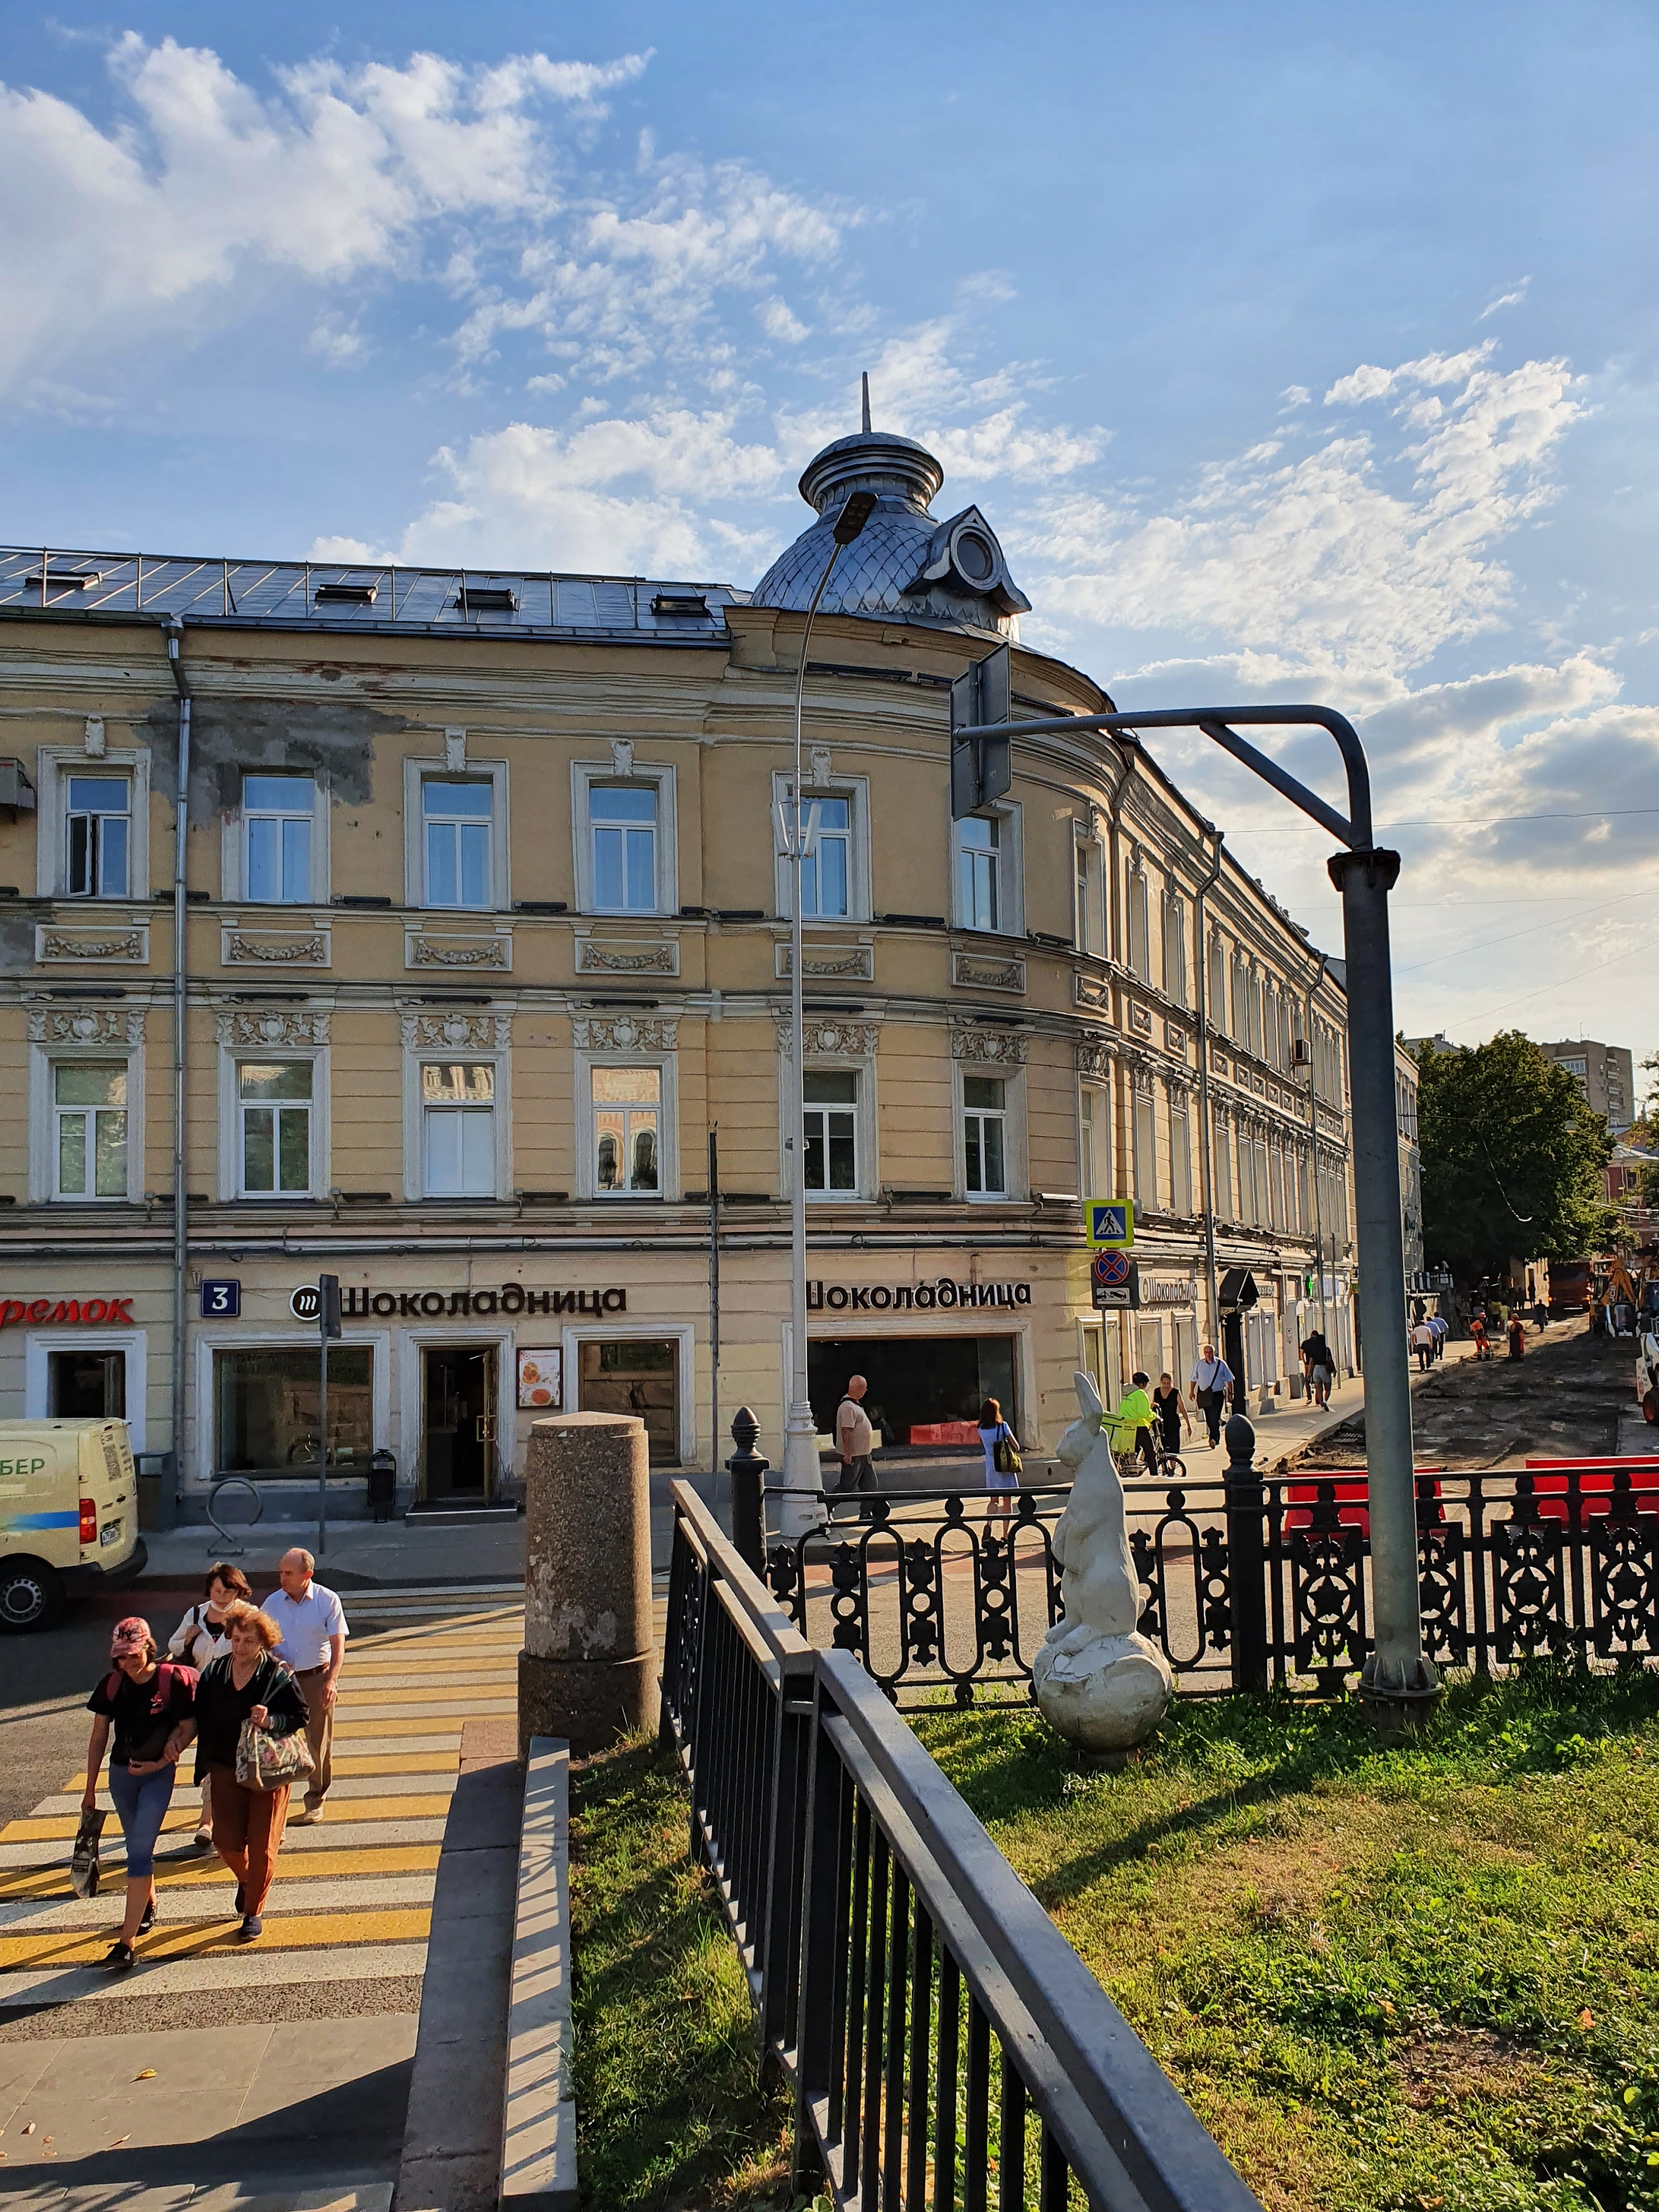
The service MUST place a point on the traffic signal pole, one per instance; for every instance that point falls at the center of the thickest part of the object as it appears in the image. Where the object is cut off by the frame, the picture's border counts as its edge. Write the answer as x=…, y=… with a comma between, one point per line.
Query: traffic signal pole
x=1399, y=1684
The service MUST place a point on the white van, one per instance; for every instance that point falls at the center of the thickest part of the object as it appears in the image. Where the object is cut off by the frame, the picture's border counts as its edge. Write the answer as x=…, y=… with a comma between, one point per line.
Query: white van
x=69, y=1516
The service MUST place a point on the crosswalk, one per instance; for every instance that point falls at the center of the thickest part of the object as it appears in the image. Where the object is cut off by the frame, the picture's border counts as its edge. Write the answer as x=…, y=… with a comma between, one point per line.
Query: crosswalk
x=353, y=1893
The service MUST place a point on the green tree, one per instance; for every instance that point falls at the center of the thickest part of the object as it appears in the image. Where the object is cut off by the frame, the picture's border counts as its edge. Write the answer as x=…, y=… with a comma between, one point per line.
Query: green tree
x=1513, y=1158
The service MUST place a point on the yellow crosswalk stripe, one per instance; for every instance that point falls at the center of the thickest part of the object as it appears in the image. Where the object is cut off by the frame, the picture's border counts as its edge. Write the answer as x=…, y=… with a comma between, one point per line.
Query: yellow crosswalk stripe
x=413, y=1762
x=284, y=1932
x=47, y=1828
x=291, y=1867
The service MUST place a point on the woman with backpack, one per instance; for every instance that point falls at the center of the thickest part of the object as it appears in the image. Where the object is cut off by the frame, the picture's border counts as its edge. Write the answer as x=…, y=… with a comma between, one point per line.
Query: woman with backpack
x=147, y=1704
x=201, y=1637
x=250, y=1804
x=1002, y=1461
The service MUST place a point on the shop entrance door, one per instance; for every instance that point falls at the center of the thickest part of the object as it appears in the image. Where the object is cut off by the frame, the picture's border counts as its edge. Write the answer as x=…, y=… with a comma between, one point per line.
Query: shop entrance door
x=460, y=1384
x=87, y=1386
x=636, y=1376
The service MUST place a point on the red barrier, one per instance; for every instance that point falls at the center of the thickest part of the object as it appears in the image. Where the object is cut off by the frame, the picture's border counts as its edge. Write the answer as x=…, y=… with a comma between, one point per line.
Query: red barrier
x=1352, y=1500
x=1595, y=1478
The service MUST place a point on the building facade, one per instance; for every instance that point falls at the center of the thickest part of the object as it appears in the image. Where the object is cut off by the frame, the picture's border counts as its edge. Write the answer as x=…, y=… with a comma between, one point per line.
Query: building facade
x=1605, y=1074
x=488, y=935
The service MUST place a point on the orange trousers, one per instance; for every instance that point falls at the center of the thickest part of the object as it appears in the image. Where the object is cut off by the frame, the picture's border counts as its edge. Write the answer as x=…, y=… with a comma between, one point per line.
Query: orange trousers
x=247, y=1832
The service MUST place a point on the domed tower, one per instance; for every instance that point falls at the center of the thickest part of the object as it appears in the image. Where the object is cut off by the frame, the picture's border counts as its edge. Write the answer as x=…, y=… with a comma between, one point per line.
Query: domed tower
x=906, y=566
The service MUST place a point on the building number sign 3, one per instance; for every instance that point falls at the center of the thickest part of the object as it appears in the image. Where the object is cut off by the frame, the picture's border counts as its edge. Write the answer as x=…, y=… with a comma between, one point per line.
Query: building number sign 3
x=221, y=1298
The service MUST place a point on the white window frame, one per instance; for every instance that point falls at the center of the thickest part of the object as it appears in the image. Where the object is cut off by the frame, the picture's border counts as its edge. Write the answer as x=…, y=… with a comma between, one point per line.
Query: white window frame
x=583, y=775
x=856, y=790
x=54, y=765
x=625, y=1329
x=40, y=1343
x=1097, y=1123
x=1173, y=910
x=1139, y=923
x=668, y=1139
x=1144, y=1171
x=1182, y=1201
x=230, y=1192
x=499, y=1058
x=202, y=1442
x=865, y=1126
x=1011, y=871
x=1013, y=1080
x=43, y=1120
x=1088, y=894
x=232, y=847
x=417, y=768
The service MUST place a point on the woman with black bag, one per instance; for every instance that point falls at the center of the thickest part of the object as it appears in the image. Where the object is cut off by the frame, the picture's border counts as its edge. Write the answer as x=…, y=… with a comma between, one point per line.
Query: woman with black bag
x=148, y=1706
x=1003, y=1465
x=248, y=1688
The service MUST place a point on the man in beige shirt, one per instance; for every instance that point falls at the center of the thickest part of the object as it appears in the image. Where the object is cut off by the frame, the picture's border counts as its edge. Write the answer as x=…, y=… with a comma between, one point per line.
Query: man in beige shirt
x=854, y=1437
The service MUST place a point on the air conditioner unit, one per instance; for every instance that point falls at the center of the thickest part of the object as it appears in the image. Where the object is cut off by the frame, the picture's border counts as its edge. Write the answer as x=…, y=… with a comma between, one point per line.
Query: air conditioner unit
x=16, y=792
x=1300, y=1055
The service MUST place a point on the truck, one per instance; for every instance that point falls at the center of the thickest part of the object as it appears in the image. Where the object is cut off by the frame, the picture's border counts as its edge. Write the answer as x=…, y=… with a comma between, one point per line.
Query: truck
x=69, y=1516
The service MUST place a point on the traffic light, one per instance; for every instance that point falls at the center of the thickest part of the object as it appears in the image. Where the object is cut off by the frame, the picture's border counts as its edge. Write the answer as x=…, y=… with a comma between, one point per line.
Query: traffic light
x=981, y=769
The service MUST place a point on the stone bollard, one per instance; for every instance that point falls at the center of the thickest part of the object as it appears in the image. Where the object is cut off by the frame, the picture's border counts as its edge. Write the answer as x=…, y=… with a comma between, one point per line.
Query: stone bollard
x=588, y=1670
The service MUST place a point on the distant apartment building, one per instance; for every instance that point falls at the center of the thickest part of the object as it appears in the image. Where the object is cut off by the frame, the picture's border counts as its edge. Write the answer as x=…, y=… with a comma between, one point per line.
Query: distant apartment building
x=1607, y=1076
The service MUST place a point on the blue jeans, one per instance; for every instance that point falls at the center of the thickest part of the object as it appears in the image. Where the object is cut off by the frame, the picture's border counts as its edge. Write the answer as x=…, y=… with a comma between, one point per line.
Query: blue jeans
x=140, y=1804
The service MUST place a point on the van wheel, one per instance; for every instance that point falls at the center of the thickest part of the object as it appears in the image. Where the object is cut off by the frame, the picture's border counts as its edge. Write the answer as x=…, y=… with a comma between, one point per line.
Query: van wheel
x=30, y=1595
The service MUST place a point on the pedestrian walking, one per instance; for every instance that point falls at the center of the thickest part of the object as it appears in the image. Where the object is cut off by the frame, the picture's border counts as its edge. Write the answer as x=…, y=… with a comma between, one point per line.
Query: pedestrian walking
x=1210, y=1386
x=1002, y=1463
x=855, y=1440
x=201, y=1637
x=1319, y=1366
x=146, y=1704
x=248, y=1683
x=1478, y=1331
x=311, y=1632
x=1132, y=1422
x=1170, y=1409
x=1422, y=1345
x=1516, y=1332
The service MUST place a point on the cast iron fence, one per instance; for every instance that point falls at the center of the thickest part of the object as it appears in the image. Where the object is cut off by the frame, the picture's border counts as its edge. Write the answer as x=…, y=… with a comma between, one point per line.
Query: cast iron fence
x=946, y=1589
x=947, y=2049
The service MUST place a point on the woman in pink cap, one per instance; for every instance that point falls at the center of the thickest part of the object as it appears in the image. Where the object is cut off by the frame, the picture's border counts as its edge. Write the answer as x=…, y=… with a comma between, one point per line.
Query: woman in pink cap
x=149, y=1709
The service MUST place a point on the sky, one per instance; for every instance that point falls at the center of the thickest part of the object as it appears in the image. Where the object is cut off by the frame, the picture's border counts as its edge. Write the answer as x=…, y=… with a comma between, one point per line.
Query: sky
x=1299, y=353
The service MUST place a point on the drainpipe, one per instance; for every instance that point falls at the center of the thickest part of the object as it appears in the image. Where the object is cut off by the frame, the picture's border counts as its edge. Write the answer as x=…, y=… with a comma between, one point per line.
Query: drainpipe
x=1206, y=1151
x=180, y=1208
x=1313, y=1131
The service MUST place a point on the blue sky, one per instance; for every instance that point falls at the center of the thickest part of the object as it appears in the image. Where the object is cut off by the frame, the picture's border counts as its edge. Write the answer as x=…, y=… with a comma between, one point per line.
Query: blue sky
x=1296, y=352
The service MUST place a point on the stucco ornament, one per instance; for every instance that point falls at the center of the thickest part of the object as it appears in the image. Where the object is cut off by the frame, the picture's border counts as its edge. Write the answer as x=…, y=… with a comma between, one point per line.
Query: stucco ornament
x=1097, y=1679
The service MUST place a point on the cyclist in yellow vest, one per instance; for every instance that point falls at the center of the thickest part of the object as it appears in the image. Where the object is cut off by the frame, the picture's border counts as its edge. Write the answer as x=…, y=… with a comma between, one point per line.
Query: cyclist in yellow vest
x=1132, y=1424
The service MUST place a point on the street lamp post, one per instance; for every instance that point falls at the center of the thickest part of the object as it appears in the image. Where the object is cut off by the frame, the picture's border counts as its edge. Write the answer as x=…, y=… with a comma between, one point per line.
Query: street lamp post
x=799, y=1508
x=1399, y=1683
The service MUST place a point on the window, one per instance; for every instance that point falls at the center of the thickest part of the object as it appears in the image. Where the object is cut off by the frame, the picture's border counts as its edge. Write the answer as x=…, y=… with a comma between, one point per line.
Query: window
x=1221, y=1200
x=274, y=1100
x=985, y=1173
x=89, y=1104
x=1180, y=1158
x=457, y=823
x=277, y=813
x=99, y=818
x=1140, y=951
x=826, y=872
x=1174, y=949
x=1217, y=1008
x=266, y=1405
x=978, y=868
x=830, y=1129
x=458, y=1129
x=1095, y=1141
x=1145, y=1143
x=626, y=1132
x=622, y=827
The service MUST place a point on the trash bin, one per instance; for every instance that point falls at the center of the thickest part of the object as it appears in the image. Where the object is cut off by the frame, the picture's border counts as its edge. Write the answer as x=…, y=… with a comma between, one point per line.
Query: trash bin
x=158, y=1504
x=382, y=1483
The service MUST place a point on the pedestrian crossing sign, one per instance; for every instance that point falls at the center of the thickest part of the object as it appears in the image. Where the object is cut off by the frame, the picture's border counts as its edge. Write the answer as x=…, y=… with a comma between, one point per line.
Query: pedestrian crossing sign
x=1110, y=1224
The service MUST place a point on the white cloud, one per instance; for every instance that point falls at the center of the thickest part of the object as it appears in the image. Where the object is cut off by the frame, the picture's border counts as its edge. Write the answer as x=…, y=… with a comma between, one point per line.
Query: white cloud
x=1506, y=299
x=778, y=321
x=205, y=181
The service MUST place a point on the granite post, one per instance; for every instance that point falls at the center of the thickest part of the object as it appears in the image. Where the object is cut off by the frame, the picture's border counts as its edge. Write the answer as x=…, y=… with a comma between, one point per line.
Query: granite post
x=588, y=1670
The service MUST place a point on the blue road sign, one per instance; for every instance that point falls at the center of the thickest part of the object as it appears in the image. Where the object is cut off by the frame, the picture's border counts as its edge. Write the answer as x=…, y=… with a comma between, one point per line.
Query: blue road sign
x=1111, y=1266
x=1109, y=1222
x=220, y=1300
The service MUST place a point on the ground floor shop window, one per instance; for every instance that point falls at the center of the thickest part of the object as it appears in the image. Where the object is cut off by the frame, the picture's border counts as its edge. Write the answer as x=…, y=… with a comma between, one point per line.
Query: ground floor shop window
x=267, y=1404
x=636, y=1376
x=914, y=1382
x=85, y=1385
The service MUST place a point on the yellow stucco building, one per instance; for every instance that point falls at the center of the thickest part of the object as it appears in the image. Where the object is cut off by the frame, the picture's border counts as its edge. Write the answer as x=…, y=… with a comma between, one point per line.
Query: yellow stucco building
x=488, y=930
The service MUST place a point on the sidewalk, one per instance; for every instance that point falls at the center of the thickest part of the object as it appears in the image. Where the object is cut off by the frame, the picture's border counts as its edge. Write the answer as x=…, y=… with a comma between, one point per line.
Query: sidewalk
x=359, y=1554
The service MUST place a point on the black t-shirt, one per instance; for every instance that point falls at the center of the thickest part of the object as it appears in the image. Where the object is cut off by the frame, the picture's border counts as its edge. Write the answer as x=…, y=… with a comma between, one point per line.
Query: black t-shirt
x=220, y=1707
x=141, y=1715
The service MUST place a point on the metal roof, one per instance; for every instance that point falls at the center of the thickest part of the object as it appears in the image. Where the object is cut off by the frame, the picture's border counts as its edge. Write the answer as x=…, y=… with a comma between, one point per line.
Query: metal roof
x=359, y=596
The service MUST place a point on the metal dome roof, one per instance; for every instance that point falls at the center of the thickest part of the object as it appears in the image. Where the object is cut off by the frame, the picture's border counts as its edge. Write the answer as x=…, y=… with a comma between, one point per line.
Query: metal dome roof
x=905, y=566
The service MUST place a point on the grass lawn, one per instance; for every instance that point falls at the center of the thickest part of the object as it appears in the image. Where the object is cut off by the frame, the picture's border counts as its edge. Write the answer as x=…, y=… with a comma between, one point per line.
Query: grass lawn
x=1416, y=1979
x=669, y=2112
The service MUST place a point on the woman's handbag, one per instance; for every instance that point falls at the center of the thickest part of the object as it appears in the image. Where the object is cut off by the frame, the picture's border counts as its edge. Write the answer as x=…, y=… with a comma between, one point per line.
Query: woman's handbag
x=83, y=1860
x=1004, y=1456
x=267, y=1761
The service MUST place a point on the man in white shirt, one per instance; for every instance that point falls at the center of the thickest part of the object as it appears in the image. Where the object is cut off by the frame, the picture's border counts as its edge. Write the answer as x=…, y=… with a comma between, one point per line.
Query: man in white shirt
x=314, y=1625
x=1209, y=1386
x=855, y=1438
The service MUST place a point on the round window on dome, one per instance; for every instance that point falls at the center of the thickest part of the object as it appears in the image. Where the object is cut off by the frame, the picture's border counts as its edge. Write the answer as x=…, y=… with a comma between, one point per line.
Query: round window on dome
x=976, y=560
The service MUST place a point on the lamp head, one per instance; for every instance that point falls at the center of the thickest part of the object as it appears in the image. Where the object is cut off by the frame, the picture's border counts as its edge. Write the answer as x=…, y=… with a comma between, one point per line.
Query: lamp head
x=855, y=513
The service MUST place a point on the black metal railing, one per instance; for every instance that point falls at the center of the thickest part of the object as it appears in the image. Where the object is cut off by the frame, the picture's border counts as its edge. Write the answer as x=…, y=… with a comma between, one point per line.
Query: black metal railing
x=1245, y=1580
x=945, y=2046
